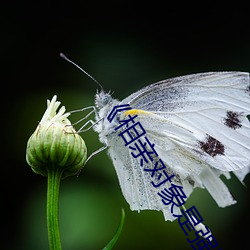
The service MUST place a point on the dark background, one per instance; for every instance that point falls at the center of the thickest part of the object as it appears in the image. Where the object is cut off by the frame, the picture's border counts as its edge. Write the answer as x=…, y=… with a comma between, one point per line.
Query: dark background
x=125, y=45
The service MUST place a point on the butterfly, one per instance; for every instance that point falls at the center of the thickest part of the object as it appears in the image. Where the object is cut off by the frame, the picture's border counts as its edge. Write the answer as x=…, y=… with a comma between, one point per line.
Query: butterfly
x=198, y=126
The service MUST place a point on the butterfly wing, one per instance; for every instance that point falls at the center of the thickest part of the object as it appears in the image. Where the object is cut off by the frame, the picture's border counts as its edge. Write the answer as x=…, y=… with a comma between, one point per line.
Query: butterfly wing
x=198, y=126
x=211, y=106
x=135, y=183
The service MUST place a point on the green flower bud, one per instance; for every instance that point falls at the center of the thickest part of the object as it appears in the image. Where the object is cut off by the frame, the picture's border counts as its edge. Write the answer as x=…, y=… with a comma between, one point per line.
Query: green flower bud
x=55, y=144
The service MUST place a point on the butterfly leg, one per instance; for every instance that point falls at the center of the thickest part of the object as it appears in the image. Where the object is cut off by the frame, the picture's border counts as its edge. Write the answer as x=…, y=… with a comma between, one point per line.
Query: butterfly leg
x=86, y=116
x=92, y=154
x=81, y=129
x=96, y=152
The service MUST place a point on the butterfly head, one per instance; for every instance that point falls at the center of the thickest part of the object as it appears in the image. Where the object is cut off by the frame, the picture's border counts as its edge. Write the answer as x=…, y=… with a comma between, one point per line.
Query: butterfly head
x=102, y=99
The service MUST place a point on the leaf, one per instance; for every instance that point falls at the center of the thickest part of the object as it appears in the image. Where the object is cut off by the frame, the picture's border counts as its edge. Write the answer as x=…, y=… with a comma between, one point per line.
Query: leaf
x=110, y=245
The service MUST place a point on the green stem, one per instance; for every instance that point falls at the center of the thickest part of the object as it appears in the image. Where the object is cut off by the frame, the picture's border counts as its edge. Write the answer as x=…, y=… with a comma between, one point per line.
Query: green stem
x=54, y=177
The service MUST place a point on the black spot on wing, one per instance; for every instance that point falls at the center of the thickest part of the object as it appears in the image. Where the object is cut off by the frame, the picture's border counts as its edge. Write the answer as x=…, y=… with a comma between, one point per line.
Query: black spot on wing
x=191, y=181
x=212, y=146
x=233, y=119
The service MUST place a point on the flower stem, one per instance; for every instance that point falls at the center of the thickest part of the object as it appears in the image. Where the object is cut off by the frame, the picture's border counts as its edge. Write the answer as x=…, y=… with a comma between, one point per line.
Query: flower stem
x=54, y=177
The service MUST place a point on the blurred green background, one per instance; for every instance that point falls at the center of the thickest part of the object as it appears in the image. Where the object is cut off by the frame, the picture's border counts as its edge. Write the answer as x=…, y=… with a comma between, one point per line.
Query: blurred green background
x=125, y=47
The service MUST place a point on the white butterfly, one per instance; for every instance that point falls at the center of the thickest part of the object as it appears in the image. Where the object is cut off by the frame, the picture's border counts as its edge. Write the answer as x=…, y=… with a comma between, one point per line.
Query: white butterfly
x=199, y=127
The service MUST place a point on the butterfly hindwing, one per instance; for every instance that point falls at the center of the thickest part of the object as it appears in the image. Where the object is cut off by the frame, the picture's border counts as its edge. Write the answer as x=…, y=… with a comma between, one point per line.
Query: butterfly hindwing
x=135, y=182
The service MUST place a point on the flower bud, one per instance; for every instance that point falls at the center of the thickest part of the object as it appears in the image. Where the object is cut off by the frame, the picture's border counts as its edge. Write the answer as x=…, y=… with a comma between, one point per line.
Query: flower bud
x=55, y=144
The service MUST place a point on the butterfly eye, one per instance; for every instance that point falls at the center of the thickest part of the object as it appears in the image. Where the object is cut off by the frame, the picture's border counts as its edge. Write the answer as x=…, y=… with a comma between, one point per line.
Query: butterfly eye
x=102, y=99
x=106, y=99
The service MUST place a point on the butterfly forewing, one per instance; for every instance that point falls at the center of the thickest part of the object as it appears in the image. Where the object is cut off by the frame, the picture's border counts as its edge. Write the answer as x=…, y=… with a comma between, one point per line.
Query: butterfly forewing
x=211, y=107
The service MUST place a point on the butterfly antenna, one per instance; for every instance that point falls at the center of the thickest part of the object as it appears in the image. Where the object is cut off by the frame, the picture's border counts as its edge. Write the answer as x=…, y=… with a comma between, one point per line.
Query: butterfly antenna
x=86, y=73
